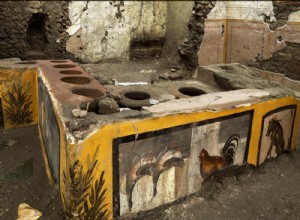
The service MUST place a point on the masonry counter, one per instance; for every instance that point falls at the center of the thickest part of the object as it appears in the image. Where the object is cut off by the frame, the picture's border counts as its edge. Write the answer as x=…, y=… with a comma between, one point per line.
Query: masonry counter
x=137, y=159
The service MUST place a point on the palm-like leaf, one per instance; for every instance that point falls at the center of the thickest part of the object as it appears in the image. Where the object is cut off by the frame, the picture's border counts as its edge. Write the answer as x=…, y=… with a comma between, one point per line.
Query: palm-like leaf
x=17, y=104
x=85, y=201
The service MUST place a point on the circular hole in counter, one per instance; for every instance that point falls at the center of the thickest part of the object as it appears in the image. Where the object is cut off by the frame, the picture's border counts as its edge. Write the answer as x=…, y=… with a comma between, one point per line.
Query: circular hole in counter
x=90, y=93
x=137, y=95
x=27, y=62
x=64, y=66
x=70, y=72
x=191, y=91
x=76, y=80
x=58, y=61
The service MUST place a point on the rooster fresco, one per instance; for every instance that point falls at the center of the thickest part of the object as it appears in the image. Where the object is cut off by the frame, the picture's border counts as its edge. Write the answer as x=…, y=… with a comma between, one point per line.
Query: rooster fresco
x=210, y=164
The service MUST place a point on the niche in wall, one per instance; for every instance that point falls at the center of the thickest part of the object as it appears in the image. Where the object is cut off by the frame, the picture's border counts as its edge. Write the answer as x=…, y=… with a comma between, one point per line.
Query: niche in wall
x=36, y=34
x=140, y=49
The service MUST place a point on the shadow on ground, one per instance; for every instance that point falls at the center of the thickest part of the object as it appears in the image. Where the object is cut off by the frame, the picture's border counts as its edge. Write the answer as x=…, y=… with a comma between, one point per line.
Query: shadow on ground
x=23, y=177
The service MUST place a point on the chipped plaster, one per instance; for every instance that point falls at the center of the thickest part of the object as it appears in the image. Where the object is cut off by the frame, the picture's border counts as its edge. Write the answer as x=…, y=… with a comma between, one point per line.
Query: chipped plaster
x=294, y=17
x=108, y=27
x=245, y=10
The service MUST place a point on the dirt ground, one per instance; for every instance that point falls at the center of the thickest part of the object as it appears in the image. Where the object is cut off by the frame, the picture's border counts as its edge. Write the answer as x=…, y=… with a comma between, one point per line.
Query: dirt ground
x=23, y=177
x=271, y=191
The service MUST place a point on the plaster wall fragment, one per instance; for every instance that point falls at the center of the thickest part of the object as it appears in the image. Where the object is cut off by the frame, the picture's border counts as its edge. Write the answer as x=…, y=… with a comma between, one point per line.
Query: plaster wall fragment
x=108, y=27
x=294, y=17
x=244, y=10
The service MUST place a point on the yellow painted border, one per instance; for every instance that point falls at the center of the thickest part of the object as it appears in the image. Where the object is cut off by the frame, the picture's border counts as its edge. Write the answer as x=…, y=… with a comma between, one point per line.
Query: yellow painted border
x=64, y=159
x=292, y=23
x=225, y=44
x=47, y=166
x=63, y=155
x=21, y=76
x=235, y=20
x=105, y=135
x=226, y=22
x=245, y=21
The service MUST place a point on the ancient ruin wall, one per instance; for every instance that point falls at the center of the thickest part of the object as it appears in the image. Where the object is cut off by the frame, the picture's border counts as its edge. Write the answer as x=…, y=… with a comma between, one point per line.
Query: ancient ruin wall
x=33, y=29
x=91, y=31
x=103, y=30
x=285, y=61
x=179, y=13
x=189, y=48
x=282, y=11
x=246, y=31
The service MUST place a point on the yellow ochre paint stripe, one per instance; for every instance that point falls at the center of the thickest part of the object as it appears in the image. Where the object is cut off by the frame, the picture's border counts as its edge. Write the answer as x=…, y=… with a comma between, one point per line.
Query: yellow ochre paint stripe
x=292, y=23
x=47, y=166
x=239, y=20
x=225, y=34
x=129, y=128
x=63, y=159
x=105, y=135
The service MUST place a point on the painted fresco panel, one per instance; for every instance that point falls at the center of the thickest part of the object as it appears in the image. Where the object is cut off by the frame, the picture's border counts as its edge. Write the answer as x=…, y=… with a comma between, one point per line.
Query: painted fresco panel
x=224, y=138
x=277, y=130
x=18, y=97
x=212, y=53
x=49, y=130
x=161, y=167
x=147, y=157
x=246, y=41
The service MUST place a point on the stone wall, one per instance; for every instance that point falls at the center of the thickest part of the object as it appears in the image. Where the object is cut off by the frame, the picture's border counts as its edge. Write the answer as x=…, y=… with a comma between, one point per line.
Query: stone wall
x=33, y=29
x=285, y=61
x=93, y=31
x=282, y=11
x=189, y=48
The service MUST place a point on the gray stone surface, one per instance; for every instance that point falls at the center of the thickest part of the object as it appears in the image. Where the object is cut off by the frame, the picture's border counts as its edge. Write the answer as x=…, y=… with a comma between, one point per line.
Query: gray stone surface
x=237, y=76
x=108, y=106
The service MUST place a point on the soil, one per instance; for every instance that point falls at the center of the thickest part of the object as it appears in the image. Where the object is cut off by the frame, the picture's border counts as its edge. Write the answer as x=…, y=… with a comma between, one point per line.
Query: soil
x=23, y=177
x=271, y=191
